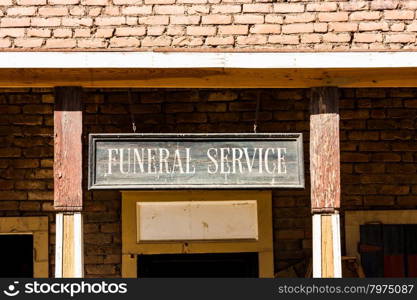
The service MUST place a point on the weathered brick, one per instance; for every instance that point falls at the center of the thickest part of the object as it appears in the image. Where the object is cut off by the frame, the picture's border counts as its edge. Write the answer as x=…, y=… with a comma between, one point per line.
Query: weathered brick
x=130, y=31
x=45, y=22
x=62, y=32
x=384, y=4
x=367, y=37
x=251, y=40
x=258, y=8
x=284, y=39
x=60, y=43
x=288, y=7
x=185, y=20
x=218, y=41
x=201, y=30
x=276, y=19
x=104, y=32
x=137, y=10
x=154, y=20
x=300, y=18
x=400, y=38
x=5, y=43
x=411, y=4
x=40, y=195
x=265, y=28
x=226, y=9
x=28, y=43
x=333, y=16
x=395, y=189
x=14, y=22
x=91, y=43
x=106, y=21
x=399, y=14
x=320, y=27
x=373, y=26
x=234, y=29
x=159, y=1
x=13, y=195
x=12, y=32
x=248, y=19
x=354, y=5
x=343, y=26
x=169, y=9
x=365, y=15
x=161, y=41
x=311, y=38
x=31, y=2
x=53, y=11
x=398, y=27
x=76, y=22
x=216, y=19
x=321, y=6
x=21, y=11
x=95, y=2
x=298, y=28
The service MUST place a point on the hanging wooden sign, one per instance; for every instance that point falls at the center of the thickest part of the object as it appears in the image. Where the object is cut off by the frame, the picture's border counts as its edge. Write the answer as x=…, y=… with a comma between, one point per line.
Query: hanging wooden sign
x=183, y=161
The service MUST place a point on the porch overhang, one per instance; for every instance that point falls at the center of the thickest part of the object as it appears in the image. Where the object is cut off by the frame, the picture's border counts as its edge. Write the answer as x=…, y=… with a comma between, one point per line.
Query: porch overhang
x=190, y=69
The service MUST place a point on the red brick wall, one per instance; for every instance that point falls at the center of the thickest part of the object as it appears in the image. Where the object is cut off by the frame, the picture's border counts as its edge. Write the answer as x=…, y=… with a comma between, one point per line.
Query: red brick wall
x=378, y=144
x=147, y=24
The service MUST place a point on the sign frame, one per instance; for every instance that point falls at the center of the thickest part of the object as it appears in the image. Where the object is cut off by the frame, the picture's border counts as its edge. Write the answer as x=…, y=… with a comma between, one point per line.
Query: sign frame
x=95, y=137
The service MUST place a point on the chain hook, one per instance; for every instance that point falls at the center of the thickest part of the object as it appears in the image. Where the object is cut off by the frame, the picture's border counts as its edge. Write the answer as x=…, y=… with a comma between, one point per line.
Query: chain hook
x=132, y=116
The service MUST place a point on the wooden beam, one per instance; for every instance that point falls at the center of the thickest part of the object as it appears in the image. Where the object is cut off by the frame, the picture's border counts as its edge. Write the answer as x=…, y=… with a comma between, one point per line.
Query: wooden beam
x=327, y=260
x=209, y=78
x=204, y=58
x=325, y=181
x=68, y=170
x=324, y=149
x=327, y=267
x=69, y=262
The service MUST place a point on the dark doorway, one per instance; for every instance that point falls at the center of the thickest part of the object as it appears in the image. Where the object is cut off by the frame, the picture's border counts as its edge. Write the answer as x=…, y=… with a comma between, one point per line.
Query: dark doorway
x=206, y=265
x=16, y=255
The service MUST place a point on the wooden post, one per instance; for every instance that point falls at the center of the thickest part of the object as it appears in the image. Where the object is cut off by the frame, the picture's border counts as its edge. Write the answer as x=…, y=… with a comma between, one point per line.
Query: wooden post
x=325, y=181
x=68, y=193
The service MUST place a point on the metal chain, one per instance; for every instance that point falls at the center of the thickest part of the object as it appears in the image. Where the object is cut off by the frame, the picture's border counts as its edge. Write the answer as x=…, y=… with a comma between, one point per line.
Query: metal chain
x=258, y=101
x=132, y=116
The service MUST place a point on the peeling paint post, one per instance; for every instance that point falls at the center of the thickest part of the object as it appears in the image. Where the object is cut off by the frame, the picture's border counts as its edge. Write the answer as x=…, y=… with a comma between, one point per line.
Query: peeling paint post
x=325, y=181
x=68, y=192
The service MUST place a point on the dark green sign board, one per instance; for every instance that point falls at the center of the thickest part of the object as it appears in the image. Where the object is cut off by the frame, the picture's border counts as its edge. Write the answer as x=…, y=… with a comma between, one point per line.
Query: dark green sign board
x=206, y=161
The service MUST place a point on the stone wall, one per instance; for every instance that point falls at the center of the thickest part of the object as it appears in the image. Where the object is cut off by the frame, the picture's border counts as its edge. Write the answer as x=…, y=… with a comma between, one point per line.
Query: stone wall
x=148, y=24
x=378, y=145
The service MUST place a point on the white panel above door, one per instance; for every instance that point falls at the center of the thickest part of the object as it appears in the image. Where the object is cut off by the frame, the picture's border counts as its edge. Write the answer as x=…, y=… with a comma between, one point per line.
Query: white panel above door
x=197, y=220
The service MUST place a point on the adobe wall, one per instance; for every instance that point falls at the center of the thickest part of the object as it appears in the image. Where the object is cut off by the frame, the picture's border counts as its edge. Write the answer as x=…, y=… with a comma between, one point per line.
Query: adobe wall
x=244, y=24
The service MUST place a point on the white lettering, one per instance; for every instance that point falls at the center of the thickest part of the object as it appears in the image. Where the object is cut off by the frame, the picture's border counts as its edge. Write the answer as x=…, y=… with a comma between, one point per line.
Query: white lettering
x=236, y=159
x=177, y=162
x=224, y=162
x=163, y=160
x=282, y=166
x=122, y=162
x=110, y=162
x=211, y=157
x=188, y=162
x=137, y=159
x=267, y=161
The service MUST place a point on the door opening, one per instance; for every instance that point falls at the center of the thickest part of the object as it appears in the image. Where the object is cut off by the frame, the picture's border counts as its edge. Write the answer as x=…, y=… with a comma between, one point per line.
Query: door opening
x=389, y=250
x=201, y=265
x=16, y=255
